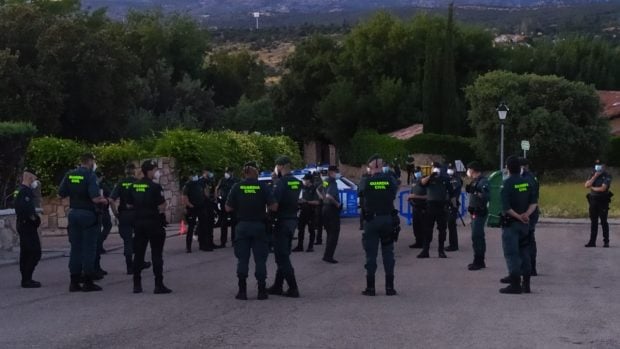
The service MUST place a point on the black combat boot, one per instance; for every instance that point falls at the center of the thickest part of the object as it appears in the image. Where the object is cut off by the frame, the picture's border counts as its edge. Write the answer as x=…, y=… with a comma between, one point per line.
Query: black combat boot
x=293, y=291
x=370, y=286
x=137, y=284
x=477, y=264
x=424, y=253
x=514, y=287
x=89, y=285
x=276, y=288
x=526, y=284
x=262, y=291
x=440, y=251
x=75, y=283
x=160, y=288
x=243, y=293
x=505, y=280
x=389, y=286
x=129, y=265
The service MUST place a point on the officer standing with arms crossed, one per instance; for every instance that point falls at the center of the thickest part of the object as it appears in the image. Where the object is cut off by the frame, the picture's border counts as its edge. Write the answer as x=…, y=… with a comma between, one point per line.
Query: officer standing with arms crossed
x=286, y=191
x=331, y=214
x=249, y=200
x=526, y=173
x=147, y=199
x=28, y=221
x=309, y=203
x=417, y=200
x=478, y=191
x=453, y=209
x=439, y=191
x=518, y=203
x=599, y=199
x=379, y=192
x=125, y=215
x=227, y=219
x=80, y=186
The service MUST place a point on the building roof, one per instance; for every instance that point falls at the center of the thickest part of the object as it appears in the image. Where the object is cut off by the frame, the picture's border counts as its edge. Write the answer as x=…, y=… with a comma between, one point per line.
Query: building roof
x=409, y=132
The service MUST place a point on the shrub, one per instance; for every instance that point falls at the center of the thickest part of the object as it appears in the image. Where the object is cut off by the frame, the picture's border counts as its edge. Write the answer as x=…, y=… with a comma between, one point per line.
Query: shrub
x=52, y=158
x=450, y=147
x=14, y=139
x=368, y=142
x=112, y=157
x=613, y=152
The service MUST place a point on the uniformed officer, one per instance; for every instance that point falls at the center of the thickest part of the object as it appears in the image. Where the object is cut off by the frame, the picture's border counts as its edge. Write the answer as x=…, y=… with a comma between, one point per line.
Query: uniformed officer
x=453, y=209
x=599, y=199
x=80, y=186
x=147, y=199
x=286, y=190
x=379, y=192
x=195, y=201
x=125, y=215
x=518, y=203
x=309, y=203
x=526, y=173
x=206, y=215
x=331, y=214
x=105, y=223
x=227, y=219
x=28, y=221
x=250, y=199
x=418, y=201
x=439, y=192
x=318, y=222
x=478, y=191
x=411, y=169
x=365, y=175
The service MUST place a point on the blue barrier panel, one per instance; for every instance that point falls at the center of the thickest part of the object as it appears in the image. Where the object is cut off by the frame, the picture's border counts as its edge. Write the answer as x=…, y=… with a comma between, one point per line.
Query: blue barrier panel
x=348, y=198
x=404, y=209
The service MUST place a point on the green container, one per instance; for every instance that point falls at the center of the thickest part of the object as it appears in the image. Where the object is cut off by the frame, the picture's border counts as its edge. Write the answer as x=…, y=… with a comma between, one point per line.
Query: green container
x=496, y=181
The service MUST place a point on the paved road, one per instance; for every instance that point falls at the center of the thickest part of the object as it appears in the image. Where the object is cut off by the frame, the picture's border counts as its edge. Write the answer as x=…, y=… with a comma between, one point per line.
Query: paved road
x=441, y=304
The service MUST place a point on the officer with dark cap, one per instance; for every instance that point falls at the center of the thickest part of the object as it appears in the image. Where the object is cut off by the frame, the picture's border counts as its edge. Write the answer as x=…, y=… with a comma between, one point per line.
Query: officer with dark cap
x=200, y=206
x=526, y=173
x=379, y=192
x=191, y=188
x=28, y=222
x=80, y=186
x=599, y=199
x=309, y=203
x=227, y=219
x=125, y=215
x=417, y=199
x=250, y=199
x=147, y=199
x=478, y=191
x=331, y=214
x=320, y=186
x=286, y=190
x=453, y=208
x=518, y=197
x=105, y=223
x=208, y=185
x=439, y=192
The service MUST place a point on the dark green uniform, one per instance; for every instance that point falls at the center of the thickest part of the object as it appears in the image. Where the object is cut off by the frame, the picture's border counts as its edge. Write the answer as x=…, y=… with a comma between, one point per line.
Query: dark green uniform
x=249, y=200
x=453, y=212
x=146, y=197
x=227, y=219
x=599, y=209
x=28, y=222
x=286, y=193
x=518, y=194
x=418, y=210
x=80, y=185
x=439, y=191
x=331, y=219
x=194, y=190
x=126, y=216
x=105, y=222
x=478, y=199
x=533, y=221
x=307, y=217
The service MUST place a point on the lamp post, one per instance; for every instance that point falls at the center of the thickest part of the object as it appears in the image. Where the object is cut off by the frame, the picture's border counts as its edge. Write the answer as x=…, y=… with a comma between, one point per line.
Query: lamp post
x=502, y=112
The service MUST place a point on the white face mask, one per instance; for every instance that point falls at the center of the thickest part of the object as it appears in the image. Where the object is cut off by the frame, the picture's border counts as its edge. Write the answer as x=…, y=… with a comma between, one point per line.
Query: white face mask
x=227, y=175
x=436, y=170
x=451, y=172
x=469, y=173
x=522, y=170
x=195, y=178
x=35, y=184
x=94, y=166
x=157, y=175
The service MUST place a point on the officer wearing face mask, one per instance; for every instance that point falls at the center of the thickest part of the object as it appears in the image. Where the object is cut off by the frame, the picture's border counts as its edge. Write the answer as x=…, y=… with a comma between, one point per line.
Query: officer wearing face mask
x=192, y=193
x=227, y=218
x=28, y=221
x=417, y=200
x=204, y=208
x=453, y=209
x=308, y=203
x=331, y=214
x=599, y=199
x=478, y=191
x=365, y=175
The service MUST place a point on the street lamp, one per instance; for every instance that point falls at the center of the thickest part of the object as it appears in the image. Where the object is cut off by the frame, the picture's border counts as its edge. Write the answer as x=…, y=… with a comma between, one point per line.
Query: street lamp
x=502, y=112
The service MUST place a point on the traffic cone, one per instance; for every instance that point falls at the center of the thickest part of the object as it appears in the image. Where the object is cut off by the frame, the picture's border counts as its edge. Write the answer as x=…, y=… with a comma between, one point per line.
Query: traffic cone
x=183, y=229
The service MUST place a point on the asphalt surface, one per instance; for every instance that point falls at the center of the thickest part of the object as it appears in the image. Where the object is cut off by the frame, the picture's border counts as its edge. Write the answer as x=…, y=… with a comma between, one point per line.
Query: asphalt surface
x=440, y=303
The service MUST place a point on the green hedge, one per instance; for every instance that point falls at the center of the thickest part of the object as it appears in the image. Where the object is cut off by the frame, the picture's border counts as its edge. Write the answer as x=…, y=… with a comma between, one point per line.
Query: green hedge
x=451, y=147
x=53, y=157
x=613, y=152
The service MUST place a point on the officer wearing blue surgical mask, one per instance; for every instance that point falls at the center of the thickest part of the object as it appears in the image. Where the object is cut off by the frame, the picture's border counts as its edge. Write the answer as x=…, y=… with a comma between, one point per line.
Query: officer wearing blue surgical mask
x=599, y=199
x=417, y=200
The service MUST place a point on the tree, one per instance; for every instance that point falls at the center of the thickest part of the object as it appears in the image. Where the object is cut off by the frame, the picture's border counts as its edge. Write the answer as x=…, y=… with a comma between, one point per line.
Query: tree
x=561, y=119
x=250, y=116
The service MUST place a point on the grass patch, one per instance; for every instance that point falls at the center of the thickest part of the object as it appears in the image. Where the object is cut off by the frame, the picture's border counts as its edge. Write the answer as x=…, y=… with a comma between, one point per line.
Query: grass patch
x=568, y=200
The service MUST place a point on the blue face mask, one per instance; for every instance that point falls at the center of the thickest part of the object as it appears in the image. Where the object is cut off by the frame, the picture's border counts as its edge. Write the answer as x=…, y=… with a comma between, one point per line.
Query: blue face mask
x=210, y=175
x=386, y=169
x=418, y=175
x=598, y=168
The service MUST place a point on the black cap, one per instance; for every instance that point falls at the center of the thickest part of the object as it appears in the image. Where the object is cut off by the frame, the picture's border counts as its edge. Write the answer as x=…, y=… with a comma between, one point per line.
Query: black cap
x=450, y=166
x=251, y=164
x=475, y=165
x=524, y=162
x=148, y=165
x=332, y=168
x=130, y=167
x=308, y=176
x=513, y=164
x=373, y=158
x=229, y=169
x=31, y=171
x=418, y=169
x=283, y=160
x=87, y=157
x=436, y=164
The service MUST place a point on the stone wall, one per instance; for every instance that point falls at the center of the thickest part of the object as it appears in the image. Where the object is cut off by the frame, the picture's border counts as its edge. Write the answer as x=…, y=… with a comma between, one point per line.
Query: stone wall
x=54, y=219
x=8, y=234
